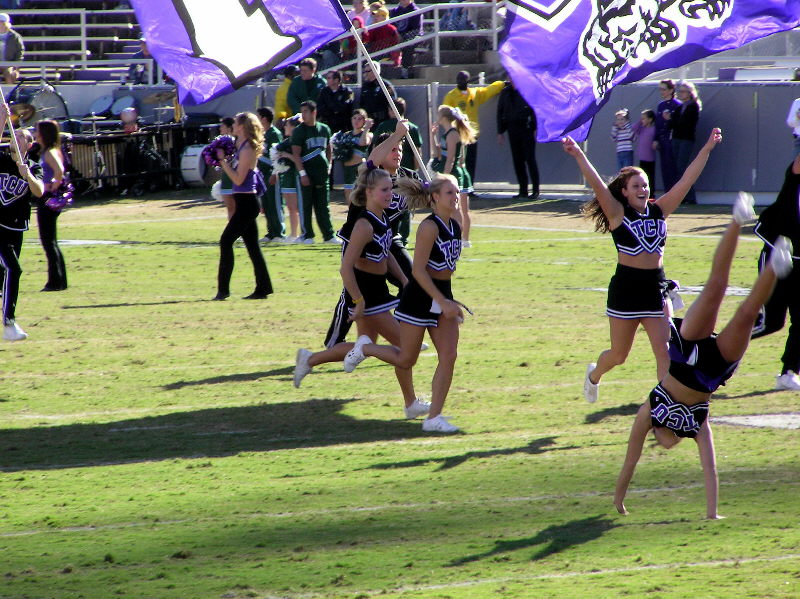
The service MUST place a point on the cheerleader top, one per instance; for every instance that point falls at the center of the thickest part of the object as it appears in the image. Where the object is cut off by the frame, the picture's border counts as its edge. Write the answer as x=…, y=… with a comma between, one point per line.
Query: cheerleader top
x=249, y=183
x=443, y=145
x=641, y=232
x=446, y=249
x=697, y=363
x=377, y=249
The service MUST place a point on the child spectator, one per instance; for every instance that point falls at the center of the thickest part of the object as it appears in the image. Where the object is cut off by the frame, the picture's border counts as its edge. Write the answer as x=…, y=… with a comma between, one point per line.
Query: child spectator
x=622, y=134
x=645, y=131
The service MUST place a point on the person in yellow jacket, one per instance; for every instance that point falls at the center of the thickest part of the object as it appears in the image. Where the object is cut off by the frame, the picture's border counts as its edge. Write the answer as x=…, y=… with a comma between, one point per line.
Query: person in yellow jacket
x=281, y=103
x=468, y=99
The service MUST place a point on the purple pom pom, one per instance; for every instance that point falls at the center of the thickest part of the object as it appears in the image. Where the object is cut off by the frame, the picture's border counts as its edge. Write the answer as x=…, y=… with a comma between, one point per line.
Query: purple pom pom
x=225, y=143
x=60, y=198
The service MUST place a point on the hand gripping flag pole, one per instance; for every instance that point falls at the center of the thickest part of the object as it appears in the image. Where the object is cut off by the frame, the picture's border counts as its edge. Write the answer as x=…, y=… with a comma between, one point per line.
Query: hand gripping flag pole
x=14, y=142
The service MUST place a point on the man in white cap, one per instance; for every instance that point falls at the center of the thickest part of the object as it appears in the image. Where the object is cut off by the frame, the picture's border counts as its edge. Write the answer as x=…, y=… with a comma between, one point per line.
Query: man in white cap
x=11, y=48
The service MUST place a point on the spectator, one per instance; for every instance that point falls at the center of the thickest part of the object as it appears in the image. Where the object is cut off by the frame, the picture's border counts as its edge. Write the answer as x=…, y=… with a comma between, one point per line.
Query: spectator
x=271, y=203
x=385, y=36
x=12, y=48
x=455, y=19
x=622, y=134
x=645, y=131
x=515, y=116
x=468, y=100
x=372, y=98
x=335, y=103
x=408, y=28
x=668, y=105
x=305, y=86
x=349, y=46
x=137, y=72
x=362, y=11
x=281, y=94
x=793, y=120
x=684, y=124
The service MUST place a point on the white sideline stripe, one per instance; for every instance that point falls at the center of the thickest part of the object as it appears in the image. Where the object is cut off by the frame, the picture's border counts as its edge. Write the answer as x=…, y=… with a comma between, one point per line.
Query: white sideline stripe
x=383, y=508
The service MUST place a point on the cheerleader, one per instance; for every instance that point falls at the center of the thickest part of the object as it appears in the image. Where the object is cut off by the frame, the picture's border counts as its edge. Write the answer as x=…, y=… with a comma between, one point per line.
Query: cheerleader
x=245, y=176
x=353, y=147
x=637, y=291
x=366, y=261
x=701, y=361
x=53, y=164
x=288, y=180
x=450, y=134
x=226, y=185
x=427, y=301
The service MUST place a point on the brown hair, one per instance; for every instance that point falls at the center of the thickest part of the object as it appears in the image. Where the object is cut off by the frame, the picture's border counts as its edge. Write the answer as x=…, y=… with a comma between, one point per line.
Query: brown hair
x=419, y=194
x=49, y=132
x=252, y=129
x=367, y=177
x=592, y=209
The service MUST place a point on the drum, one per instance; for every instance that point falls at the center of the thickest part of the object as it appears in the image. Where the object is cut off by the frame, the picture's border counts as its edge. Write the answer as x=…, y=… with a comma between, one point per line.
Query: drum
x=121, y=104
x=193, y=167
x=101, y=106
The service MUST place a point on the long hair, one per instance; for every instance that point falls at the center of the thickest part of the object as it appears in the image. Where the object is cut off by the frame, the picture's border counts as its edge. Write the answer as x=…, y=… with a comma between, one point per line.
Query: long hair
x=367, y=177
x=419, y=194
x=50, y=133
x=252, y=130
x=692, y=91
x=592, y=209
x=465, y=131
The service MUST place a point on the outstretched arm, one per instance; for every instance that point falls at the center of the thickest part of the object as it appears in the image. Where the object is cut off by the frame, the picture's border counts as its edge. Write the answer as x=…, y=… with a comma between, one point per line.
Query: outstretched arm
x=708, y=459
x=382, y=150
x=670, y=201
x=641, y=426
x=611, y=207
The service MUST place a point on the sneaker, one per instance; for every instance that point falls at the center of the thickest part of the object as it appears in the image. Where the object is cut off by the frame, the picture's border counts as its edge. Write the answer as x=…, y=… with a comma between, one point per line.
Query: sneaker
x=333, y=241
x=781, y=258
x=266, y=239
x=305, y=240
x=466, y=244
x=788, y=381
x=13, y=332
x=418, y=408
x=743, y=212
x=591, y=391
x=424, y=346
x=301, y=366
x=438, y=424
x=355, y=356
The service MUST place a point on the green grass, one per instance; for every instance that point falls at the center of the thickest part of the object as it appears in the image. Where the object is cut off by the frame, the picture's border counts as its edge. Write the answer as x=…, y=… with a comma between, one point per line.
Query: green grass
x=152, y=444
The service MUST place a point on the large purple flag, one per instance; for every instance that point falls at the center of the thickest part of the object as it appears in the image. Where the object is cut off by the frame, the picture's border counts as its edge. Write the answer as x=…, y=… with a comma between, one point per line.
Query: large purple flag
x=566, y=55
x=211, y=47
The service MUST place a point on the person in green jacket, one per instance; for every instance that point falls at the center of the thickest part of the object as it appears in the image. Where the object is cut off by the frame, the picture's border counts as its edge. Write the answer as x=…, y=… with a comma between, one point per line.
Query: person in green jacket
x=306, y=86
x=271, y=200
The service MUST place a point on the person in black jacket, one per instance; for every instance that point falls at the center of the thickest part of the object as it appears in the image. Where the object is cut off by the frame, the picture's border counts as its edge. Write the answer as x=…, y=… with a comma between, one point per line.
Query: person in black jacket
x=20, y=183
x=515, y=116
x=335, y=103
x=372, y=99
x=783, y=218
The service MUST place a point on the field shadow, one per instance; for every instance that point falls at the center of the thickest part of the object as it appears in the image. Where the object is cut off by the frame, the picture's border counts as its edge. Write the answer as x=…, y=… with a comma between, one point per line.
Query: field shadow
x=209, y=433
x=765, y=392
x=535, y=447
x=556, y=207
x=132, y=304
x=626, y=410
x=556, y=538
x=231, y=378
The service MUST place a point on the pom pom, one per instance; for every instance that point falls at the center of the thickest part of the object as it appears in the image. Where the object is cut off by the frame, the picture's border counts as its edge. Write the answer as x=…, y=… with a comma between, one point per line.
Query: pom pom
x=279, y=165
x=60, y=198
x=216, y=191
x=343, y=145
x=225, y=143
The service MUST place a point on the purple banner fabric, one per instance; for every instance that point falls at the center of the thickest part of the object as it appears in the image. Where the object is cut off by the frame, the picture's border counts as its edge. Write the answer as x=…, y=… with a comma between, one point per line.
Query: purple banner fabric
x=212, y=48
x=565, y=56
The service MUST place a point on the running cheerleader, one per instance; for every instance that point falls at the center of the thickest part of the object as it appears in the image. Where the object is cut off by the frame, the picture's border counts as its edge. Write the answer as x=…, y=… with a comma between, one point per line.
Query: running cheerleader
x=366, y=261
x=637, y=291
x=450, y=135
x=701, y=361
x=427, y=301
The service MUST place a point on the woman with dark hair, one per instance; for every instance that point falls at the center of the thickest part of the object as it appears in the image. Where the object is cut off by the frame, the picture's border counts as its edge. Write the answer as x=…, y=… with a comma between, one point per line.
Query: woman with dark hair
x=701, y=361
x=684, y=124
x=243, y=172
x=637, y=291
x=53, y=163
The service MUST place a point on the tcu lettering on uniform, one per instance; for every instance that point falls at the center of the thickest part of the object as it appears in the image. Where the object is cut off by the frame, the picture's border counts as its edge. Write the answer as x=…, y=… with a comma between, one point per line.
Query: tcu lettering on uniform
x=11, y=187
x=451, y=250
x=385, y=241
x=648, y=228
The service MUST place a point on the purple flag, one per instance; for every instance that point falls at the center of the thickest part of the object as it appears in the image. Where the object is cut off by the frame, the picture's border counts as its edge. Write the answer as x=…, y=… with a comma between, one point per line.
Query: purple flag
x=212, y=48
x=566, y=55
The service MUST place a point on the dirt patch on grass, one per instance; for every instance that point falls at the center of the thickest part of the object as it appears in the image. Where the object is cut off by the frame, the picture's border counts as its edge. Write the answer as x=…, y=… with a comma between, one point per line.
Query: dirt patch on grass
x=789, y=420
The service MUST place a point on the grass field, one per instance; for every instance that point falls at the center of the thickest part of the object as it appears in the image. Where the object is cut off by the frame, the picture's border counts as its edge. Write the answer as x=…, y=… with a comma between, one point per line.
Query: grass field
x=153, y=446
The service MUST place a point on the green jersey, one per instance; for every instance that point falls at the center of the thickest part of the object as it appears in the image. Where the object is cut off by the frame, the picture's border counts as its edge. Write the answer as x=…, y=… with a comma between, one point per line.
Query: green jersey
x=313, y=141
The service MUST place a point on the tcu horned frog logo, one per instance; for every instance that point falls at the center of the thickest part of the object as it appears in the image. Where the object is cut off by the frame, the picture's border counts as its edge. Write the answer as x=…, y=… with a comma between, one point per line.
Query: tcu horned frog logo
x=235, y=35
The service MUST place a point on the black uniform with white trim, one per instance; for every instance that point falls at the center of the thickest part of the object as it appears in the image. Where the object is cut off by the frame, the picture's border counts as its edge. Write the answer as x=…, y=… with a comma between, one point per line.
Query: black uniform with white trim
x=416, y=306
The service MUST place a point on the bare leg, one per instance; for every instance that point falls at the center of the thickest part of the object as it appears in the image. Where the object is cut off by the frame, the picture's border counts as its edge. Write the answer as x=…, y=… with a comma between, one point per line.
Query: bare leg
x=641, y=426
x=294, y=216
x=402, y=355
x=466, y=218
x=445, y=340
x=658, y=332
x=622, y=333
x=705, y=445
x=390, y=329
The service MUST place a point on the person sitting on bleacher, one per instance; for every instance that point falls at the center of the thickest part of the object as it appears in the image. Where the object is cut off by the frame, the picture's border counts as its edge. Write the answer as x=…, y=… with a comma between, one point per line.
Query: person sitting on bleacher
x=12, y=48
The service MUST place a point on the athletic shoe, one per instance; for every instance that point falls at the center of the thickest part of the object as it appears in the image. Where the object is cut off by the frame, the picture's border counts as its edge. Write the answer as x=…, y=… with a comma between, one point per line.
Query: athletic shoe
x=743, y=212
x=788, y=381
x=424, y=346
x=591, y=391
x=418, y=408
x=466, y=244
x=438, y=424
x=301, y=366
x=266, y=239
x=13, y=332
x=355, y=356
x=305, y=240
x=781, y=258
x=333, y=241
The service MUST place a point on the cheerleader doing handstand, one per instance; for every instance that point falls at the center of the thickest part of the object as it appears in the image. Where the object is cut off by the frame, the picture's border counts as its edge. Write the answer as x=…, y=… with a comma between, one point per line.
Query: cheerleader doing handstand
x=427, y=301
x=701, y=361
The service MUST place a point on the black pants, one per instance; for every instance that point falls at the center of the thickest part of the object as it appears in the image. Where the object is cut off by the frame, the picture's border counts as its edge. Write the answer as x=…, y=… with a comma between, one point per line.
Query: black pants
x=471, y=160
x=242, y=224
x=56, y=269
x=523, y=154
x=784, y=298
x=340, y=326
x=10, y=270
